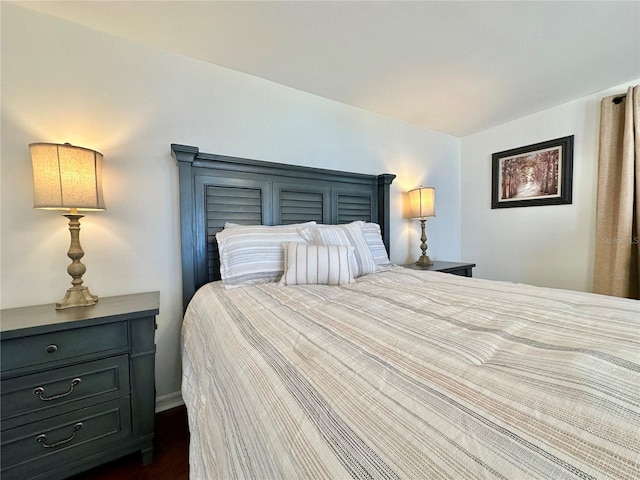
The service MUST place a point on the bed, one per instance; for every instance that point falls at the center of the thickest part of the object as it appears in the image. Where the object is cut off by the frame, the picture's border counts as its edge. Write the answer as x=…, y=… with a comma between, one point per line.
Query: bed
x=392, y=373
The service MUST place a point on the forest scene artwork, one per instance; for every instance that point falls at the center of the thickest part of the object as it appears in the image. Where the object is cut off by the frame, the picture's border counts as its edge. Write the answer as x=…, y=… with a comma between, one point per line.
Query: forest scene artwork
x=534, y=175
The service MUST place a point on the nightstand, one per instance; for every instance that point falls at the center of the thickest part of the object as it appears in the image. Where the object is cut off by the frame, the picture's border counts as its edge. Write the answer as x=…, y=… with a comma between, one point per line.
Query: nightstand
x=78, y=386
x=456, y=268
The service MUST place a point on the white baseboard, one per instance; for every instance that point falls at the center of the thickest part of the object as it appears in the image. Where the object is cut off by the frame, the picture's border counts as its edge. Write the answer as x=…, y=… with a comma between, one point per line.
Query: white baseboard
x=171, y=400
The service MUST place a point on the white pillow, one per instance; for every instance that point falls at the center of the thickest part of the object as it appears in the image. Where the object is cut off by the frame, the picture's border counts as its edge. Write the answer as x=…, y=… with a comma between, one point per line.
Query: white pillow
x=349, y=234
x=252, y=254
x=372, y=235
x=317, y=264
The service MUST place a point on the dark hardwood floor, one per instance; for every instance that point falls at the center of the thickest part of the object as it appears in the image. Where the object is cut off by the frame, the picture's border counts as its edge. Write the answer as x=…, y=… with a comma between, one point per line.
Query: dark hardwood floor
x=170, y=459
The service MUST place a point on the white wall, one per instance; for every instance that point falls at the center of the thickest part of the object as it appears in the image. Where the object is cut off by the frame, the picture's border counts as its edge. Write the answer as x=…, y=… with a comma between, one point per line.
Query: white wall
x=551, y=246
x=65, y=83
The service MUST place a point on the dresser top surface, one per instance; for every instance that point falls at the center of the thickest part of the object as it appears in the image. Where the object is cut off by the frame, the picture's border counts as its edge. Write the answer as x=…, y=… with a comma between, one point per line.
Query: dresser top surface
x=13, y=321
x=439, y=265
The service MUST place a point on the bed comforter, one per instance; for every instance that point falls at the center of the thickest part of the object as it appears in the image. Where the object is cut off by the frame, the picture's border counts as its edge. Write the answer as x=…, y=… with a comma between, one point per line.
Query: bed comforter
x=411, y=374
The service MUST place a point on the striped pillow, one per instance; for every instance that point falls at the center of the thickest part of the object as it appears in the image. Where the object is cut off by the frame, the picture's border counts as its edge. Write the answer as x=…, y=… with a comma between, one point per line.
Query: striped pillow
x=316, y=264
x=252, y=254
x=349, y=234
x=372, y=235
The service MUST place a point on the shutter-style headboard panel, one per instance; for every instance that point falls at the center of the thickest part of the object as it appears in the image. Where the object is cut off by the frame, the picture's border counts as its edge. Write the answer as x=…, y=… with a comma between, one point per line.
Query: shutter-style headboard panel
x=216, y=189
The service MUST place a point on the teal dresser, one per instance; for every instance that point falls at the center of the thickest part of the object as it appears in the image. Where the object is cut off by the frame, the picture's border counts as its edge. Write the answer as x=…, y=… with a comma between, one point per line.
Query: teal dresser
x=77, y=386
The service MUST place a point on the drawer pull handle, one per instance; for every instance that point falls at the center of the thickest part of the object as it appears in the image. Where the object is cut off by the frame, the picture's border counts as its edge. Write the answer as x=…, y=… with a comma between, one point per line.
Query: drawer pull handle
x=39, y=391
x=51, y=348
x=42, y=438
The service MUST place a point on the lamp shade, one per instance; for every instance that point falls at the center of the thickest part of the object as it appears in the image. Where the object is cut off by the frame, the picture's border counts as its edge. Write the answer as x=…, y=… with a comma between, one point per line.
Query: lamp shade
x=66, y=177
x=422, y=203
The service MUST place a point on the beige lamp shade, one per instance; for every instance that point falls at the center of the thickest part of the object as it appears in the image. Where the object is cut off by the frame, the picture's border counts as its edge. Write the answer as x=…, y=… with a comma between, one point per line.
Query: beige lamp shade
x=66, y=177
x=422, y=203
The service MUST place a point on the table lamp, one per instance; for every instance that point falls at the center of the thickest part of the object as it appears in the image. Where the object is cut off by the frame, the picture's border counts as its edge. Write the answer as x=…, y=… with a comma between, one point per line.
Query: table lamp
x=421, y=207
x=66, y=177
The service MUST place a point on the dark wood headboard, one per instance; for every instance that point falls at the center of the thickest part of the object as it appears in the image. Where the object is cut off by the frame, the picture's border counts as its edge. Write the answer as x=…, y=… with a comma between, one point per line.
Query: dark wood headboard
x=215, y=189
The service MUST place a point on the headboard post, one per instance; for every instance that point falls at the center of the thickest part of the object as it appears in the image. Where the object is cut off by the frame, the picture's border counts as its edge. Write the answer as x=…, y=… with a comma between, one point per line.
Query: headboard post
x=185, y=156
x=384, y=216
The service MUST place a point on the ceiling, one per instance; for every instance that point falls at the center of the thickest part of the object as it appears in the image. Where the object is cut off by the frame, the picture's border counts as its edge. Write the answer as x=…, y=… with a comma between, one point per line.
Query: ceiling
x=454, y=67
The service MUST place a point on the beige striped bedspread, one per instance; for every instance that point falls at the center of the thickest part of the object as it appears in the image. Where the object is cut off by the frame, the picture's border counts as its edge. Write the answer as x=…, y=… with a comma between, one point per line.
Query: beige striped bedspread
x=411, y=375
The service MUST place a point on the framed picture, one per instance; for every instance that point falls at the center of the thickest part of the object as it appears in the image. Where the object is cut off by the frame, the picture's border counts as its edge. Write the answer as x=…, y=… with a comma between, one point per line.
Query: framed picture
x=538, y=174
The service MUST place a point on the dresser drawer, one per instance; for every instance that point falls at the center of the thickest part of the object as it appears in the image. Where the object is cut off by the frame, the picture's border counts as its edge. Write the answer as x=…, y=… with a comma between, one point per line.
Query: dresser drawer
x=57, y=391
x=62, y=345
x=31, y=449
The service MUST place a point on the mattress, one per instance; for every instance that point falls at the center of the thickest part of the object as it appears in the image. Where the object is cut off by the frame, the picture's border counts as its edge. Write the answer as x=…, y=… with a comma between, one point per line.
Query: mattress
x=411, y=374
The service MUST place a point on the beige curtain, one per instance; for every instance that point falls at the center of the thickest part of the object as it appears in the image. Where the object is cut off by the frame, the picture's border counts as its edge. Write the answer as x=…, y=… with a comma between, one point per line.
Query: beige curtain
x=617, y=263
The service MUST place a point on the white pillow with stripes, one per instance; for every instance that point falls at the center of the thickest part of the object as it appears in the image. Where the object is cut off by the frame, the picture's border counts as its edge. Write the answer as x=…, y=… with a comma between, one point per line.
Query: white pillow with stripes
x=317, y=264
x=349, y=234
x=252, y=254
x=372, y=235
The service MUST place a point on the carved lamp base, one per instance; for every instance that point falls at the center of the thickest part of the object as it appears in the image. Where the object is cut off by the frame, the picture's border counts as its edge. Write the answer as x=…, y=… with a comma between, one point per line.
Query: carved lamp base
x=424, y=261
x=78, y=295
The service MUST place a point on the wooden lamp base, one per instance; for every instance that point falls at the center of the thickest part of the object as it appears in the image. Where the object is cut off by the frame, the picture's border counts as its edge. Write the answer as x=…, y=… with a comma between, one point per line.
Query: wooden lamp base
x=78, y=295
x=424, y=260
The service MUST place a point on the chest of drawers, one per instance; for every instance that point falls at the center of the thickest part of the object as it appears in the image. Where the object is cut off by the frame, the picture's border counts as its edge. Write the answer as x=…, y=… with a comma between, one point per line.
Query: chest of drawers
x=77, y=386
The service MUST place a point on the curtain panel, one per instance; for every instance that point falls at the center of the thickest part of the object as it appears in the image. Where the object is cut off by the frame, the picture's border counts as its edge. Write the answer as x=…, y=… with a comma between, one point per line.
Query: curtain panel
x=617, y=262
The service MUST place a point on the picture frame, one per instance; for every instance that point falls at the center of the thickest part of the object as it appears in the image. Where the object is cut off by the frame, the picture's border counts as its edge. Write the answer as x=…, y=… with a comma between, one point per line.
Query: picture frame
x=534, y=175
